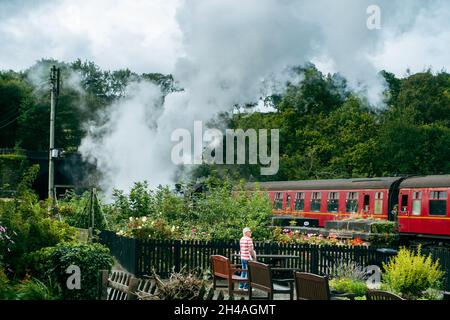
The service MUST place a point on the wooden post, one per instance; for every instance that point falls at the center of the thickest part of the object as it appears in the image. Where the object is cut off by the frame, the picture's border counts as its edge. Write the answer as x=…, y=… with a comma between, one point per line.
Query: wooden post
x=132, y=288
x=104, y=284
x=176, y=257
x=315, y=259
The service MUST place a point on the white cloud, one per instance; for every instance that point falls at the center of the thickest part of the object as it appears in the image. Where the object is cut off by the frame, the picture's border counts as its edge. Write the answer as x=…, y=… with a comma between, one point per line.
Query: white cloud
x=138, y=34
x=424, y=44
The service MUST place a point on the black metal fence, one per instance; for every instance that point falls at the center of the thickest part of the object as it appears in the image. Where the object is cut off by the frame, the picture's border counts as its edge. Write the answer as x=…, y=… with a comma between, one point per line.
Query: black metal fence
x=443, y=254
x=141, y=256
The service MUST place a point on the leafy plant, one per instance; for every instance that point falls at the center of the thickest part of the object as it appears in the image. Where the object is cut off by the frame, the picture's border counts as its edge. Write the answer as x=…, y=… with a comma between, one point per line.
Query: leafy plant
x=34, y=289
x=347, y=285
x=6, y=289
x=147, y=228
x=384, y=227
x=410, y=273
x=347, y=269
x=29, y=225
x=90, y=258
x=349, y=277
x=75, y=210
x=220, y=213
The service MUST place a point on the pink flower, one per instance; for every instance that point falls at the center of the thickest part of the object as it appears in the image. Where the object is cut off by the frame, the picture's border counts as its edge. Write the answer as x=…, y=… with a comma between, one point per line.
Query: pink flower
x=194, y=230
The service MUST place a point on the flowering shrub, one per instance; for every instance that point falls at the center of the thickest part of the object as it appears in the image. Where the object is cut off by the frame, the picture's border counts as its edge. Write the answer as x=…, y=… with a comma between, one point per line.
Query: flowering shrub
x=348, y=277
x=197, y=234
x=149, y=228
x=219, y=214
x=290, y=236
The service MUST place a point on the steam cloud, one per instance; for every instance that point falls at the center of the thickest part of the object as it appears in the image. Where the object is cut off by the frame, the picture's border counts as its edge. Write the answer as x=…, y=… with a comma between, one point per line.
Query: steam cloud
x=230, y=49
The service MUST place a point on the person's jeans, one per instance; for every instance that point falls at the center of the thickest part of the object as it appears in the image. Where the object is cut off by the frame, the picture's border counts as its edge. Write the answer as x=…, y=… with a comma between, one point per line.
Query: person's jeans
x=244, y=285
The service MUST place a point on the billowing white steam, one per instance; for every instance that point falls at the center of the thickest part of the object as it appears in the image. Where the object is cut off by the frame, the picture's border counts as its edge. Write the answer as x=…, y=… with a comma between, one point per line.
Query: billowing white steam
x=230, y=49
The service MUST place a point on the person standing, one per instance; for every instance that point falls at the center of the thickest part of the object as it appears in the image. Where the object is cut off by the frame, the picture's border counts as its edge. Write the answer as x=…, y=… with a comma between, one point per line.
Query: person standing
x=247, y=253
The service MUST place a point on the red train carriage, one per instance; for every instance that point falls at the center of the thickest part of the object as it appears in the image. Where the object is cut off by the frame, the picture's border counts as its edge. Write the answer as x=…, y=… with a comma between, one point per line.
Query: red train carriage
x=424, y=208
x=325, y=200
x=422, y=202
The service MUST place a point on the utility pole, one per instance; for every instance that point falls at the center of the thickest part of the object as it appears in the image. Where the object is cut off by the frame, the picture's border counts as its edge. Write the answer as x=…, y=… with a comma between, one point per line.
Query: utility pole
x=54, y=82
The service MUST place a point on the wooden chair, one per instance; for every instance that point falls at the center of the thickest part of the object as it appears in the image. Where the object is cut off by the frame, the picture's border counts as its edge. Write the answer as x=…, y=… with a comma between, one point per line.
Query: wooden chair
x=378, y=295
x=310, y=286
x=223, y=269
x=260, y=277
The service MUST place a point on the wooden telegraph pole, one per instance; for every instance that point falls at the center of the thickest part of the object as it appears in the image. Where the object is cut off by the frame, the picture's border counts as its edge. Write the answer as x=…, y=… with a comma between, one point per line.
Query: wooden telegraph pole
x=53, y=153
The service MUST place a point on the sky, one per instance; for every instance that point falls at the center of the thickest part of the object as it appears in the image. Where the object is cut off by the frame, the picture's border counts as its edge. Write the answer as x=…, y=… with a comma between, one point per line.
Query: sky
x=145, y=36
x=222, y=53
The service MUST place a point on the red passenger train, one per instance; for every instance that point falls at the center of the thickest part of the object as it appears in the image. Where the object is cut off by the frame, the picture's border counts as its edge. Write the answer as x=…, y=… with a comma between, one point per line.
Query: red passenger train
x=419, y=203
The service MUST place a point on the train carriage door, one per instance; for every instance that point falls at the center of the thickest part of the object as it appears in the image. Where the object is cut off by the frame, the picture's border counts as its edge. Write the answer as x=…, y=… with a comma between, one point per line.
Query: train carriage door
x=366, y=203
x=403, y=210
x=288, y=203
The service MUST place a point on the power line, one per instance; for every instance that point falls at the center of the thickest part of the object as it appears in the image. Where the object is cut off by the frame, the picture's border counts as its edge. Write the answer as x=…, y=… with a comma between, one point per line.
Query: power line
x=12, y=121
x=10, y=111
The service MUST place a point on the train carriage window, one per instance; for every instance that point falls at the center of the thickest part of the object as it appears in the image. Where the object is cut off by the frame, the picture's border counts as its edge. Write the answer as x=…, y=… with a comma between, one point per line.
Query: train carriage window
x=299, y=201
x=378, y=203
x=316, y=199
x=288, y=202
x=278, y=201
x=351, y=202
x=438, y=203
x=417, y=203
x=333, y=201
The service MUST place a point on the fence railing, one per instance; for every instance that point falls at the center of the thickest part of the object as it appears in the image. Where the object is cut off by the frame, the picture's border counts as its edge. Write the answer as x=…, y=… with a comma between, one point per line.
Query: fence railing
x=140, y=257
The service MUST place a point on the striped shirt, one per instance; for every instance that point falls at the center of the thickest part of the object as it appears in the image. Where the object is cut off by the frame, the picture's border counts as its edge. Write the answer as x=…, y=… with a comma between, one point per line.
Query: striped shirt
x=246, y=244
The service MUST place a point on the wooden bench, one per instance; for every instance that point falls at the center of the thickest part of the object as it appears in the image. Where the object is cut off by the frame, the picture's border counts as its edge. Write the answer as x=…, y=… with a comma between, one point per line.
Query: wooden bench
x=378, y=295
x=119, y=285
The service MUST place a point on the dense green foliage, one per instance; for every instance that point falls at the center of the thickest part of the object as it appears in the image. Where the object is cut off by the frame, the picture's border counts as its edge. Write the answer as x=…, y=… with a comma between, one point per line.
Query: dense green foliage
x=219, y=213
x=410, y=273
x=328, y=131
x=344, y=285
x=85, y=89
x=36, y=249
x=34, y=289
x=29, y=225
x=52, y=263
x=75, y=210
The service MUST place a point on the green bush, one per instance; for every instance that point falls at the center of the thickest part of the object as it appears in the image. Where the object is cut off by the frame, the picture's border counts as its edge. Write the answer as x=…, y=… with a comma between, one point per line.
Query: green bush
x=6, y=290
x=29, y=225
x=384, y=227
x=147, y=228
x=349, y=286
x=410, y=273
x=219, y=214
x=74, y=210
x=53, y=262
